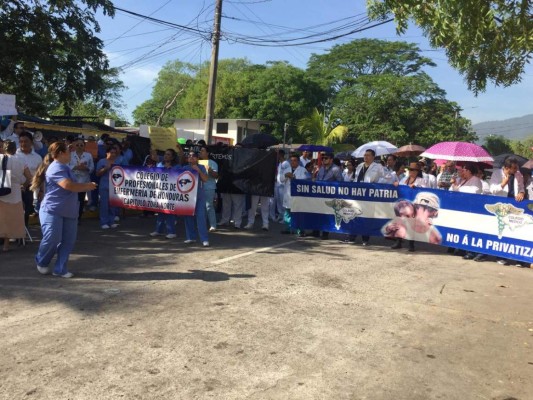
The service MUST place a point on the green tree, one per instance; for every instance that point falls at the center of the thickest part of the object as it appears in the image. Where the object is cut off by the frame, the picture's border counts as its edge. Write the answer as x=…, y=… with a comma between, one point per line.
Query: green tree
x=318, y=128
x=484, y=40
x=168, y=95
x=523, y=148
x=282, y=93
x=50, y=54
x=497, y=144
x=343, y=64
x=380, y=92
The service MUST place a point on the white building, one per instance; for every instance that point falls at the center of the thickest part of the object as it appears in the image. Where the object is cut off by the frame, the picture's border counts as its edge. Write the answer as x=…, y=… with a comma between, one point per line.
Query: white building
x=228, y=131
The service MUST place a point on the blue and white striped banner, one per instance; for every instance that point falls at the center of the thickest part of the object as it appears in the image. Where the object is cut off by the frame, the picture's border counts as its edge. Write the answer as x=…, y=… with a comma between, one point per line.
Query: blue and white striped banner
x=492, y=225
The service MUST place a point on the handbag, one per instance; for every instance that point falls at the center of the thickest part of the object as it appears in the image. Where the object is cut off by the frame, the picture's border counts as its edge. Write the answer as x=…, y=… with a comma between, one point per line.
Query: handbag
x=5, y=180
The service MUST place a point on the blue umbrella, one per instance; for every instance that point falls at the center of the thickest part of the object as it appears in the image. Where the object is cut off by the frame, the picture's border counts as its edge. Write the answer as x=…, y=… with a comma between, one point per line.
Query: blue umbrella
x=314, y=147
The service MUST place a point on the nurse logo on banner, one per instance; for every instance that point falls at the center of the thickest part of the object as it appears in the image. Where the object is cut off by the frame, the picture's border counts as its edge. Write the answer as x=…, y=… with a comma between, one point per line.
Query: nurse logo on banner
x=508, y=216
x=344, y=211
x=117, y=176
x=185, y=182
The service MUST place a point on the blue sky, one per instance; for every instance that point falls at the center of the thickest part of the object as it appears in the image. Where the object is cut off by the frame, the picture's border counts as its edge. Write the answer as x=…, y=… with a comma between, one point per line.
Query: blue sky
x=143, y=47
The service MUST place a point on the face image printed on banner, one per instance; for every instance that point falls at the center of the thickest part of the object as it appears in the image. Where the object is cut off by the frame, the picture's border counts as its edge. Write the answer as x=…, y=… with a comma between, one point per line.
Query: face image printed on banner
x=414, y=220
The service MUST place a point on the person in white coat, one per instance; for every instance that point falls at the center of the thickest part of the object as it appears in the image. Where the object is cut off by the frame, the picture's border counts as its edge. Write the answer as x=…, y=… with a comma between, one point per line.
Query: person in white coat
x=289, y=172
x=370, y=172
x=508, y=181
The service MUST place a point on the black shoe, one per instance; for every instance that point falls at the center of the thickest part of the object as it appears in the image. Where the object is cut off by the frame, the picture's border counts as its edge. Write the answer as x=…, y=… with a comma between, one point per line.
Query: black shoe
x=459, y=252
x=397, y=245
x=450, y=250
x=301, y=234
x=411, y=249
x=480, y=257
x=469, y=256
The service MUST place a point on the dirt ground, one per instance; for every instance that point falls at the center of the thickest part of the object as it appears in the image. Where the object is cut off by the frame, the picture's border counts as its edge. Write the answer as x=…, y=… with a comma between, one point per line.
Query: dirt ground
x=260, y=315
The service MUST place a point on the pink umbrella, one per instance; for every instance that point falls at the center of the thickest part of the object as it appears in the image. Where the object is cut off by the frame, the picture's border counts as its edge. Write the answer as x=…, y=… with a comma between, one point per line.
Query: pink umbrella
x=458, y=151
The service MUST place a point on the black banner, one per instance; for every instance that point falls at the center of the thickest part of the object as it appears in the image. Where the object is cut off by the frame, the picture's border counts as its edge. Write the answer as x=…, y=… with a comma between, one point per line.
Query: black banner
x=242, y=170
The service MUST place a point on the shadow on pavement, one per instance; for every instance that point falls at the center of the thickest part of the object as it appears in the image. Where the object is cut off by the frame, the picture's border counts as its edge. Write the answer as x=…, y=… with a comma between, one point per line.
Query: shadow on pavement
x=206, y=276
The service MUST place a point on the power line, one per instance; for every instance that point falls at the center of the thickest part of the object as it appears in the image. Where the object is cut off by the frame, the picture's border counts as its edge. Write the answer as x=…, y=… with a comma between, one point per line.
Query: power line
x=137, y=24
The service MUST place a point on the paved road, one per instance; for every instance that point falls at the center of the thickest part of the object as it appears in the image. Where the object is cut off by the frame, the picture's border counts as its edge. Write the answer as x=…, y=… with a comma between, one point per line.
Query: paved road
x=262, y=316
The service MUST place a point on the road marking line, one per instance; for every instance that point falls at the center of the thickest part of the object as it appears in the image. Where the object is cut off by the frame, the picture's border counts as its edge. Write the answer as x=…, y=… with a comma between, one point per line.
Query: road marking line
x=249, y=253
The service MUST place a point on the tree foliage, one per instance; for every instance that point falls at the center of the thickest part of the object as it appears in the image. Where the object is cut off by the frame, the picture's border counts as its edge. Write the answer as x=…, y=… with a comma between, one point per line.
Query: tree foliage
x=51, y=56
x=497, y=144
x=484, y=40
x=318, y=128
x=380, y=92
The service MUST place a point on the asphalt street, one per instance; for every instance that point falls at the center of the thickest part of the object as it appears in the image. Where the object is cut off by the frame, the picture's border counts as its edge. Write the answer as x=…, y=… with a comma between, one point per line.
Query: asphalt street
x=260, y=315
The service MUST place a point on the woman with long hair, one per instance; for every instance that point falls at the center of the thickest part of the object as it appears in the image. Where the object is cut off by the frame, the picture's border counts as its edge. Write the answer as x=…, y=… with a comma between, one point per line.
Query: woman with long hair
x=58, y=213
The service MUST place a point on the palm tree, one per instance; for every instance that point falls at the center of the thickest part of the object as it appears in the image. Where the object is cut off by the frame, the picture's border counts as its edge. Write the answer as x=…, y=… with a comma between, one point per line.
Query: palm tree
x=322, y=130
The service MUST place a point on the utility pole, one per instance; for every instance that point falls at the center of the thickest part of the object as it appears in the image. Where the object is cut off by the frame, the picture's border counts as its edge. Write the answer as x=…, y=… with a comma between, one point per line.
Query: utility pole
x=213, y=74
x=285, y=127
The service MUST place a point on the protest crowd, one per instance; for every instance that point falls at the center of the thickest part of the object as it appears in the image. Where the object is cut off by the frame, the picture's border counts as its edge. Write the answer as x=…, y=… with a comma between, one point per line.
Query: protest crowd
x=58, y=180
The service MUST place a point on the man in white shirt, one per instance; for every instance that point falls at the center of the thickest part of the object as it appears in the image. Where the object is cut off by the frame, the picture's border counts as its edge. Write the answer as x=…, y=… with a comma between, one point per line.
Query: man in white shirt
x=369, y=172
x=31, y=160
x=389, y=174
x=508, y=181
x=305, y=158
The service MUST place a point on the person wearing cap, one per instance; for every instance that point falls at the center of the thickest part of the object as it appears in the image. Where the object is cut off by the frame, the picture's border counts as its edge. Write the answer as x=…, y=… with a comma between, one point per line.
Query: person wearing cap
x=370, y=172
x=197, y=225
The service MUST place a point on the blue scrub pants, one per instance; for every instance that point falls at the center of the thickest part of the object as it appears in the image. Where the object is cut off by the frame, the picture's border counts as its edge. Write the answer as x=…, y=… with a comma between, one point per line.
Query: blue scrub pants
x=59, y=236
x=166, y=220
x=198, y=220
x=210, y=208
x=107, y=214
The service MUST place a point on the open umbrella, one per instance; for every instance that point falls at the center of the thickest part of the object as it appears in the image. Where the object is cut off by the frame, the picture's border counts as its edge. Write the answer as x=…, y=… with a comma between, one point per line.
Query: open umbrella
x=315, y=147
x=528, y=165
x=458, y=151
x=259, y=140
x=500, y=159
x=410, y=150
x=381, y=148
x=344, y=155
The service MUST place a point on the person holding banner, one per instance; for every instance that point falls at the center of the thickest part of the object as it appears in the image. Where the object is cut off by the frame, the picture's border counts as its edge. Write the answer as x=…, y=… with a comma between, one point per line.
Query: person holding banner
x=370, y=172
x=82, y=165
x=287, y=174
x=59, y=211
x=170, y=161
x=199, y=218
x=107, y=214
x=210, y=186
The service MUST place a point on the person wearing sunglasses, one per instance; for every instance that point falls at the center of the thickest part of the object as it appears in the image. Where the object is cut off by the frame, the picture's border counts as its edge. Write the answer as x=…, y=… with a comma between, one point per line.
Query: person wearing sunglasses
x=327, y=172
x=82, y=165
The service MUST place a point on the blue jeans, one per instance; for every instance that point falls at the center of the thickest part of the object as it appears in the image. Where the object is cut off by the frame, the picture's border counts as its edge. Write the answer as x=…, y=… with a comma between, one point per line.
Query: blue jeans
x=166, y=220
x=210, y=208
x=59, y=236
x=107, y=214
x=199, y=219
